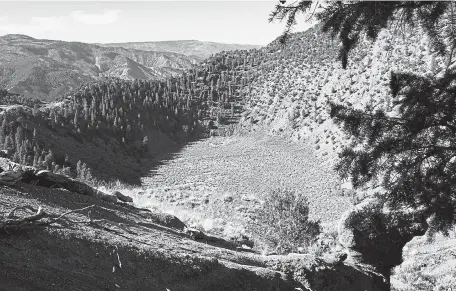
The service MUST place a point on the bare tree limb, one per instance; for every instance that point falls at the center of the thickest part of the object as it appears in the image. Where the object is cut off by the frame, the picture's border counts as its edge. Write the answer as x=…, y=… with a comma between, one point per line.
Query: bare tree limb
x=38, y=218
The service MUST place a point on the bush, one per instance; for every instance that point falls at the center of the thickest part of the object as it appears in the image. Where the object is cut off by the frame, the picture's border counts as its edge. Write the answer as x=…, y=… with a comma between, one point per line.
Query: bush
x=326, y=243
x=284, y=222
x=221, y=120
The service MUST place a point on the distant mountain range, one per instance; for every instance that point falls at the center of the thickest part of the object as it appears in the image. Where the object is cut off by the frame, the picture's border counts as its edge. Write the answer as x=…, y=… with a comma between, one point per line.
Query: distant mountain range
x=47, y=69
x=195, y=48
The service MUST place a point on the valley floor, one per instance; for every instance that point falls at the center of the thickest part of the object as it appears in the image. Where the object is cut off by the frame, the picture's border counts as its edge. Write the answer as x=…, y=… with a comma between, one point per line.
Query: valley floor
x=219, y=182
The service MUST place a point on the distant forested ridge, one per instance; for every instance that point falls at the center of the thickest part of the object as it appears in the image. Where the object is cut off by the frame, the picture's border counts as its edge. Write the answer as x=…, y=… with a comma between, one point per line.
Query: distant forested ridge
x=130, y=119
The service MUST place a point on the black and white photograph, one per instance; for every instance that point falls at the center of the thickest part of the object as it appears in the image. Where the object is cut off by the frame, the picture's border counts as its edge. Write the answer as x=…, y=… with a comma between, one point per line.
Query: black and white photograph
x=227, y=145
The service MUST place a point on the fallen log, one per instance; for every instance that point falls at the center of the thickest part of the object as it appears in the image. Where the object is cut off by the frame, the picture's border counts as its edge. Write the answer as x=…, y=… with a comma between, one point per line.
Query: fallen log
x=48, y=179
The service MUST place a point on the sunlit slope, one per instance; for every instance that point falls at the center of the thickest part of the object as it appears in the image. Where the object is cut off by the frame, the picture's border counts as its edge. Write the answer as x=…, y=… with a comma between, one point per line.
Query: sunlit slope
x=291, y=94
x=221, y=182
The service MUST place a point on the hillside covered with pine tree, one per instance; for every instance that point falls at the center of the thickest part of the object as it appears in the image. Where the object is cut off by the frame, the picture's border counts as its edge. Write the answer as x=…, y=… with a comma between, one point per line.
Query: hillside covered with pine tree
x=283, y=89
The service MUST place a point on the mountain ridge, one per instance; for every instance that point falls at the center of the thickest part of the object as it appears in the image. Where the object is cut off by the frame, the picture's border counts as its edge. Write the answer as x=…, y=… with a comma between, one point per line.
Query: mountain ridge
x=49, y=68
x=200, y=49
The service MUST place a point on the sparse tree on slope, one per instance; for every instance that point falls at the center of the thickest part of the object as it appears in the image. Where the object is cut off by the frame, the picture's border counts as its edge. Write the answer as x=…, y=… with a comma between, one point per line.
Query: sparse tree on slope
x=412, y=153
x=48, y=160
x=9, y=144
x=3, y=131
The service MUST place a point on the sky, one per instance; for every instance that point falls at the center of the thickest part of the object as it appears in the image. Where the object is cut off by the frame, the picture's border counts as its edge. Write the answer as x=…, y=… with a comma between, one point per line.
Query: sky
x=241, y=22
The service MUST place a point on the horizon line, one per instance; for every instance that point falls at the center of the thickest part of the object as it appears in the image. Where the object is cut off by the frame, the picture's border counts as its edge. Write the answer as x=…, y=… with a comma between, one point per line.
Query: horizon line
x=127, y=42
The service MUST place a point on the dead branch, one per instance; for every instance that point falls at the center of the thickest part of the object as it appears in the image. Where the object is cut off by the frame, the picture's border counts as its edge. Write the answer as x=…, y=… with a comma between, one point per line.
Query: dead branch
x=71, y=211
x=117, y=265
x=15, y=223
x=11, y=214
x=37, y=218
x=40, y=218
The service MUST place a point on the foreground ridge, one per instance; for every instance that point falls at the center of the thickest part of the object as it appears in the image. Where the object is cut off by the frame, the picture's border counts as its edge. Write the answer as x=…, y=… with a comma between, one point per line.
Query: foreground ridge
x=91, y=242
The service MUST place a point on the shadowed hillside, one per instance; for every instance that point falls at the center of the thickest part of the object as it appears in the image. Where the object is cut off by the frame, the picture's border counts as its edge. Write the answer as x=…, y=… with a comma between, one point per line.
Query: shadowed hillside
x=112, y=126
x=133, y=120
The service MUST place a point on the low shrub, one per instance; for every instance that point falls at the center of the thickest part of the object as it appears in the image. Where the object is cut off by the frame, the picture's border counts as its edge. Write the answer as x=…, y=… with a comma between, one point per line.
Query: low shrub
x=221, y=119
x=326, y=243
x=283, y=221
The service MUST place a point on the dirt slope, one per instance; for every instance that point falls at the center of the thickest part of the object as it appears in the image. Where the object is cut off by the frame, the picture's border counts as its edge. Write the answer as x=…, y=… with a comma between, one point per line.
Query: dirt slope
x=123, y=248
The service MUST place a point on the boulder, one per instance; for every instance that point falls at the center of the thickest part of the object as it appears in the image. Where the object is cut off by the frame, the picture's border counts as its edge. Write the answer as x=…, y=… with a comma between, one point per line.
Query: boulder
x=10, y=177
x=228, y=198
x=166, y=219
x=3, y=153
x=195, y=234
x=316, y=274
x=242, y=240
x=374, y=235
x=122, y=197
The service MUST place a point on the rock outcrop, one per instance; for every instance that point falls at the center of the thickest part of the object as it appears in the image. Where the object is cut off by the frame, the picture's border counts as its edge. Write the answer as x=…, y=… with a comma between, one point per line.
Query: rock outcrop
x=375, y=236
x=316, y=274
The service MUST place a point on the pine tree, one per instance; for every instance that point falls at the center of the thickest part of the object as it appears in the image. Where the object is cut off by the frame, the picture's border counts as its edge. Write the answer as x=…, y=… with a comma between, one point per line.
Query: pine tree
x=36, y=157
x=79, y=169
x=144, y=144
x=22, y=154
x=16, y=157
x=48, y=160
x=3, y=131
x=56, y=168
x=76, y=119
x=9, y=144
x=34, y=135
x=19, y=136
